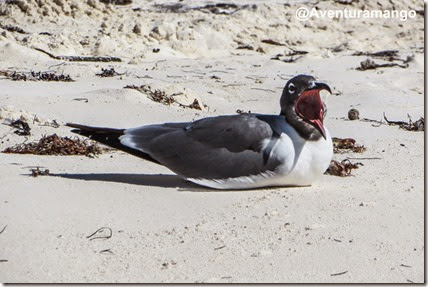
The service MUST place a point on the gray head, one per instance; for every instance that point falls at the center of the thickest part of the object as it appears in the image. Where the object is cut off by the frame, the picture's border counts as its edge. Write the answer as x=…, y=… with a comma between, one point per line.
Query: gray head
x=301, y=102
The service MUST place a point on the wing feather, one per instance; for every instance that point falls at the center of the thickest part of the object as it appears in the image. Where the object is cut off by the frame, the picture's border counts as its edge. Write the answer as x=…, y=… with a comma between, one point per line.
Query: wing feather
x=210, y=148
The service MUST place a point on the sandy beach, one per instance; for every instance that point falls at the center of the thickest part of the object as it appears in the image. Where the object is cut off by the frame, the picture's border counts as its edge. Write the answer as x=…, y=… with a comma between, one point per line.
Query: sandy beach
x=154, y=227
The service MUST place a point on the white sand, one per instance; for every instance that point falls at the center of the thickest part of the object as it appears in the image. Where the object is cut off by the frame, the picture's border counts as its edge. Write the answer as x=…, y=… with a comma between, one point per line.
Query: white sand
x=167, y=230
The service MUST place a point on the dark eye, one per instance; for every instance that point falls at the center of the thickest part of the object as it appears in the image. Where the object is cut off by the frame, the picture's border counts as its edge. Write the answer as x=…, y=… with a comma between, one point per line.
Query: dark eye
x=291, y=88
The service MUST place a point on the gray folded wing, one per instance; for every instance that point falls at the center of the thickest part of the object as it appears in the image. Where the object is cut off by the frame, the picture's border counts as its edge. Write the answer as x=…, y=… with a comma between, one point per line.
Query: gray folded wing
x=211, y=148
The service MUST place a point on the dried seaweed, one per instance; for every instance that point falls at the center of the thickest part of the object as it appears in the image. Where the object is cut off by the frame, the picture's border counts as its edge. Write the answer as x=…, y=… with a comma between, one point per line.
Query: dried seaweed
x=161, y=96
x=36, y=76
x=371, y=65
x=223, y=8
x=195, y=105
x=347, y=144
x=155, y=95
x=388, y=54
x=35, y=172
x=245, y=47
x=12, y=28
x=172, y=8
x=81, y=58
x=117, y=2
x=419, y=125
x=55, y=145
x=108, y=73
x=342, y=168
x=285, y=58
x=22, y=127
x=217, y=8
x=296, y=52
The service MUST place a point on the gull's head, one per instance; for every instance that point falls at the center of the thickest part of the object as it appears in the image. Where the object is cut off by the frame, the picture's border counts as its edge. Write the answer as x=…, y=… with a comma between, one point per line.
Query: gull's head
x=301, y=94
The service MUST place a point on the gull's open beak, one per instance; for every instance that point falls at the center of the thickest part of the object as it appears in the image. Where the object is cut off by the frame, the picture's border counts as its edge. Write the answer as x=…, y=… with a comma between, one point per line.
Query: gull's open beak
x=310, y=107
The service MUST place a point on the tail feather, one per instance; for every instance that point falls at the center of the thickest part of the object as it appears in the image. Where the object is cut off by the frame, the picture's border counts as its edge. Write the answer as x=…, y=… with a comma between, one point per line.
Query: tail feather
x=108, y=136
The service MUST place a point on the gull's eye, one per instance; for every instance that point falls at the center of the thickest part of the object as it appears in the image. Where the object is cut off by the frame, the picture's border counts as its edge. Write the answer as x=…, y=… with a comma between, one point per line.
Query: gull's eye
x=291, y=88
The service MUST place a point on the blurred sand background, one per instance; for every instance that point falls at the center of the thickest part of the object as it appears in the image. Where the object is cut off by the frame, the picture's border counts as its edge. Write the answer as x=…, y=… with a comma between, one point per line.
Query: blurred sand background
x=365, y=228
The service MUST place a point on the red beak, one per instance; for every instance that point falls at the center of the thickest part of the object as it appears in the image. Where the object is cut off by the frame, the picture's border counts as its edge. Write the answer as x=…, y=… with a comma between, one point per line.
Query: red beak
x=310, y=107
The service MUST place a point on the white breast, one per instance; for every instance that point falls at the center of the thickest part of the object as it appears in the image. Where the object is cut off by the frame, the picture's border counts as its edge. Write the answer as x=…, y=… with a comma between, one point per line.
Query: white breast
x=303, y=162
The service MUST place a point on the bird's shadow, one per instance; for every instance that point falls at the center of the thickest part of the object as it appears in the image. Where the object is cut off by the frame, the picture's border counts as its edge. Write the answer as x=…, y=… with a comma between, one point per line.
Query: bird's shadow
x=160, y=180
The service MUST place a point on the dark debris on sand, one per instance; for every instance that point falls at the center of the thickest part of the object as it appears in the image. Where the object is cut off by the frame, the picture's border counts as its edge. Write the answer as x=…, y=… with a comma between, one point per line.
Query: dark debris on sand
x=35, y=172
x=369, y=64
x=108, y=73
x=155, y=95
x=418, y=125
x=161, y=96
x=391, y=56
x=55, y=145
x=22, y=127
x=12, y=29
x=35, y=76
x=215, y=8
x=346, y=144
x=342, y=168
x=117, y=2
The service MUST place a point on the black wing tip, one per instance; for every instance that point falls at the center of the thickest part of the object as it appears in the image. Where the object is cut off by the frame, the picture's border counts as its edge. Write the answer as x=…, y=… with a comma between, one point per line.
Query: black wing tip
x=76, y=131
x=90, y=129
x=77, y=127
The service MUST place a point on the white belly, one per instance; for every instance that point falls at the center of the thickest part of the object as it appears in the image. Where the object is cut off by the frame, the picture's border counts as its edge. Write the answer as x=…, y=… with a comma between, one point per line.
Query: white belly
x=303, y=162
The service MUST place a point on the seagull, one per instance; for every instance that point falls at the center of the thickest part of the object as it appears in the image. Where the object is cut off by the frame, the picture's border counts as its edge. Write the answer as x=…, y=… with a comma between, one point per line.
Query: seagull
x=242, y=151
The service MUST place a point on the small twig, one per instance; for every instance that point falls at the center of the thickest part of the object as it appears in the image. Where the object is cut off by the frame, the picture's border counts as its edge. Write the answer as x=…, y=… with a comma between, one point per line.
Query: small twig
x=1, y=231
x=266, y=90
x=393, y=122
x=404, y=265
x=373, y=121
x=3, y=260
x=340, y=273
x=144, y=77
x=81, y=99
x=110, y=232
x=233, y=85
x=219, y=71
x=106, y=251
x=221, y=247
x=272, y=42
